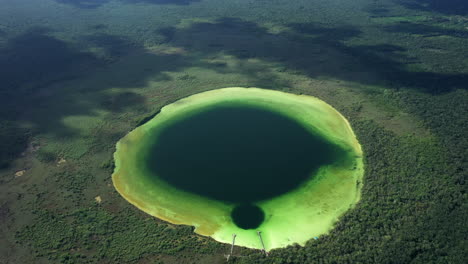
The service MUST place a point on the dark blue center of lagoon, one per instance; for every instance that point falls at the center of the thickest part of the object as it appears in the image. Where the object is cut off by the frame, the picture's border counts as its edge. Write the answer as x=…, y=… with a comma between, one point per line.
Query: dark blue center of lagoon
x=238, y=154
x=247, y=216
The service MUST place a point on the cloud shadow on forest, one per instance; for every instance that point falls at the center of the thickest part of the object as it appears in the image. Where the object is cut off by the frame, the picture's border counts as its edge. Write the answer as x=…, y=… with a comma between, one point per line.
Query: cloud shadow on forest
x=426, y=30
x=35, y=60
x=448, y=7
x=163, y=2
x=315, y=50
x=92, y=4
x=84, y=4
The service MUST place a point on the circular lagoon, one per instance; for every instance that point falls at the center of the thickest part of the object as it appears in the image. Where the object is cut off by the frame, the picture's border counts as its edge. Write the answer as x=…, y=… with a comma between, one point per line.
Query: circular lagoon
x=242, y=160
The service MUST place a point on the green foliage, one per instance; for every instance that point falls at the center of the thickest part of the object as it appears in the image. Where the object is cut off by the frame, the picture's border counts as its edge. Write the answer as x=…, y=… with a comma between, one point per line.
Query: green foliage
x=145, y=118
x=122, y=238
x=46, y=156
x=108, y=165
x=13, y=140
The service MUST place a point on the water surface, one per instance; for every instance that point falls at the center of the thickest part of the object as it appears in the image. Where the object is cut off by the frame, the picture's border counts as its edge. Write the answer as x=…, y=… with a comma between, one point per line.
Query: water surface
x=238, y=154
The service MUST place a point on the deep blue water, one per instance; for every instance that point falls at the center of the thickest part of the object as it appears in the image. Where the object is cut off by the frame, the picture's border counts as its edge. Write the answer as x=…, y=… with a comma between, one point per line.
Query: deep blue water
x=240, y=155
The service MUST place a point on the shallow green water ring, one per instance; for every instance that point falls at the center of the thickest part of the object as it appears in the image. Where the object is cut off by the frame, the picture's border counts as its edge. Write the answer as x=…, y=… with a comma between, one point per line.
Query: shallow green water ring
x=295, y=217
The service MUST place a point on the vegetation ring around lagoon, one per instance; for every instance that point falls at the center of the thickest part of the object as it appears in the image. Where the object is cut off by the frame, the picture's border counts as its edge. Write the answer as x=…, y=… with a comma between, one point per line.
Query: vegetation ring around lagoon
x=242, y=160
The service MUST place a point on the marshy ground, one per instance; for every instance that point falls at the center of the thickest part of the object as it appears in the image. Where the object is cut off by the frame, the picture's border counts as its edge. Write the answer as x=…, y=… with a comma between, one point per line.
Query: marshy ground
x=76, y=76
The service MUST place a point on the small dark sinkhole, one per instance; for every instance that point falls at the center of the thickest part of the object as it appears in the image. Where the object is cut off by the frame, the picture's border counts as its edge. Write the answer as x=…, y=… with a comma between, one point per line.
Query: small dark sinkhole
x=239, y=155
x=247, y=216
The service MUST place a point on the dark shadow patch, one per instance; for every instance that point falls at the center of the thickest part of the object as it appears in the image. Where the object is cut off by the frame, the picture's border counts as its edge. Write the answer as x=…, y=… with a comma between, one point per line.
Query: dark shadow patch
x=36, y=56
x=99, y=27
x=389, y=63
x=84, y=4
x=114, y=46
x=426, y=30
x=378, y=11
x=315, y=50
x=29, y=62
x=449, y=7
x=122, y=101
x=13, y=141
x=32, y=62
x=327, y=33
x=93, y=4
x=167, y=32
x=46, y=156
x=163, y=2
